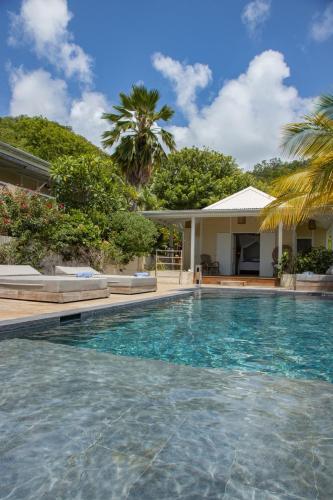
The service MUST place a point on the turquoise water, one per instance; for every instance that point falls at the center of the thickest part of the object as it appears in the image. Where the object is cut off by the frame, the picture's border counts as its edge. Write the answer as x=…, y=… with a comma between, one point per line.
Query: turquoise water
x=273, y=334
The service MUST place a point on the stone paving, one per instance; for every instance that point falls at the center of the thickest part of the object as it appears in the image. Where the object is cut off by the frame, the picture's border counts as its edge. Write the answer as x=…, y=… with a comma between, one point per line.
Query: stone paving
x=12, y=309
x=78, y=424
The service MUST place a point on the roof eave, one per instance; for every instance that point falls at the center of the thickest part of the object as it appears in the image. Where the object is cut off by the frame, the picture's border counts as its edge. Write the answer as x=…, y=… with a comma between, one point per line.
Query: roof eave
x=26, y=160
x=187, y=214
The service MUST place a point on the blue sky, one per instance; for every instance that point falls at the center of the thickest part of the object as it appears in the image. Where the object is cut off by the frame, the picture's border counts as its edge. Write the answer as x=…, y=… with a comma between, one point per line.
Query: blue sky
x=234, y=70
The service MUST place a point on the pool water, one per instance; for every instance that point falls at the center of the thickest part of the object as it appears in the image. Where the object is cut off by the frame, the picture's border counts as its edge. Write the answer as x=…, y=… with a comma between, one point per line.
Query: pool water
x=287, y=335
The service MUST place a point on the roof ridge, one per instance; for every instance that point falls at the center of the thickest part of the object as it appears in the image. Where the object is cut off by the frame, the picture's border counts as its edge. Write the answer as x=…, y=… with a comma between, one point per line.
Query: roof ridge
x=235, y=195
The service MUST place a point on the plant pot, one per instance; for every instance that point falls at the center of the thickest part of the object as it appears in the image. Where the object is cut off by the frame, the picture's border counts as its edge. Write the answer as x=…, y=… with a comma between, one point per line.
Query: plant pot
x=288, y=281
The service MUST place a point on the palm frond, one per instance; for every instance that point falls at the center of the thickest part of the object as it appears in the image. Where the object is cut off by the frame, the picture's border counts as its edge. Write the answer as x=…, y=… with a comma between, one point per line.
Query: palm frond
x=135, y=134
x=165, y=114
x=309, y=191
x=168, y=139
x=310, y=138
x=325, y=106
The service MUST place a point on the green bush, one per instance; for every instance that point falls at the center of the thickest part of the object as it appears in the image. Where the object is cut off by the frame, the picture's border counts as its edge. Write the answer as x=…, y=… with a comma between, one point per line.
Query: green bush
x=132, y=234
x=41, y=227
x=23, y=212
x=316, y=260
x=43, y=230
x=89, y=183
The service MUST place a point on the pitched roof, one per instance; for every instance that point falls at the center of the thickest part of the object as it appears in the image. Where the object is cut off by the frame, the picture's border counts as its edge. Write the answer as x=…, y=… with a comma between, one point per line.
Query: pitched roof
x=249, y=198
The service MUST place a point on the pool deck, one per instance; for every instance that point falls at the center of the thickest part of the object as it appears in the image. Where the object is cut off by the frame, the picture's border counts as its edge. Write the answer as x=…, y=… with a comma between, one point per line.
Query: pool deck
x=20, y=311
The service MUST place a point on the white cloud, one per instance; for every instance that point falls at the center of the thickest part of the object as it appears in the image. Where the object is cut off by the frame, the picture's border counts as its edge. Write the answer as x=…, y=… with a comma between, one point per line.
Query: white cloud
x=246, y=117
x=44, y=23
x=186, y=79
x=38, y=93
x=85, y=115
x=322, y=26
x=255, y=13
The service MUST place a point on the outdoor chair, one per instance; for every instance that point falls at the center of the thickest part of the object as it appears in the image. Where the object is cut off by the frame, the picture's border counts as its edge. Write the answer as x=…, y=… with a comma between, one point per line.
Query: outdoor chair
x=208, y=267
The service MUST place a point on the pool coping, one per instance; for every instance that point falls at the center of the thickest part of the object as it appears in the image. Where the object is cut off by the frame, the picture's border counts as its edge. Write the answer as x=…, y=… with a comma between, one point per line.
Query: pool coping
x=54, y=319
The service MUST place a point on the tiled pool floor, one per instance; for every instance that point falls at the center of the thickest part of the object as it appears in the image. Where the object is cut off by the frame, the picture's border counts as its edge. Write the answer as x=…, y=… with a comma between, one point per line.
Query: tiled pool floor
x=79, y=424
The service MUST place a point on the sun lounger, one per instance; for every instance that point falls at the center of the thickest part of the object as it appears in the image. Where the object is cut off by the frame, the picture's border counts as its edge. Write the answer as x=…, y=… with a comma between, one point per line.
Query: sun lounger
x=117, y=283
x=25, y=283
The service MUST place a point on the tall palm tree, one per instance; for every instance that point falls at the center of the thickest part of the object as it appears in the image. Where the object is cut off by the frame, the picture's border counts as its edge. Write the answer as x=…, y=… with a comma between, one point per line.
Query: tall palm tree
x=310, y=190
x=138, y=139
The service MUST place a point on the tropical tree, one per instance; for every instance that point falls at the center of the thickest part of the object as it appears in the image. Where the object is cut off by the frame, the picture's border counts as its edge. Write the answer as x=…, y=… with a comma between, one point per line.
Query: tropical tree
x=195, y=178
x=310, y=190
x=89, y=183
x=138, y=139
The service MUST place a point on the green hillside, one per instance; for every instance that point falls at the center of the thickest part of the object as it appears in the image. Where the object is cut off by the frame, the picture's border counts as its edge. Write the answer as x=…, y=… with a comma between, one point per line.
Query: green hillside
x=44, y=138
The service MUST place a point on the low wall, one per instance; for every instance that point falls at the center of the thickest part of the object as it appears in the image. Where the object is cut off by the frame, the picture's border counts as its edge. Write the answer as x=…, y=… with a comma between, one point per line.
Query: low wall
x=136, y=265
x=172, y=277
x=314, y=283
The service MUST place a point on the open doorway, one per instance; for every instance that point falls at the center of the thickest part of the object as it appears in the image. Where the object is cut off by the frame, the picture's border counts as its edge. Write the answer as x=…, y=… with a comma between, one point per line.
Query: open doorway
x=247, y=253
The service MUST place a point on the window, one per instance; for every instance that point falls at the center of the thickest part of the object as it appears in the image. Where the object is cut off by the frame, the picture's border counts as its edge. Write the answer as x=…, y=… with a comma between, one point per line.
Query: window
x=304, y=245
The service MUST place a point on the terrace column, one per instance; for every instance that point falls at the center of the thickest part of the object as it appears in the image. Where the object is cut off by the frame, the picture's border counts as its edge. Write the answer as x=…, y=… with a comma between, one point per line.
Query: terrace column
x=280, y=243
x=201, y=230
x=192, y=243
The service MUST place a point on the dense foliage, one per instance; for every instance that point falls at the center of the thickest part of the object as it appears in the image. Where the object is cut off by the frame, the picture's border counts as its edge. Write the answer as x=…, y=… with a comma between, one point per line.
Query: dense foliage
x=133, y=234
x=316, y=260
x=43, y=229
x=195, y=178
x=44, y=138
x=89, y=182
x=138, y=139
x=268, y=171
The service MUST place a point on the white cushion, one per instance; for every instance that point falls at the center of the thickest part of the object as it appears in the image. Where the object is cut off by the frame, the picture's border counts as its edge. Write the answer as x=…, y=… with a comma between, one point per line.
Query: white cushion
x=122, y=280
x=18, y=271
x=112, y=279
x=73, y=270
x=55, y=284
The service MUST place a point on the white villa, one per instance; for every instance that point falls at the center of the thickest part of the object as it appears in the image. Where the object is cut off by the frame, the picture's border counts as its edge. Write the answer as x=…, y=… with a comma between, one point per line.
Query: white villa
x=228, y=233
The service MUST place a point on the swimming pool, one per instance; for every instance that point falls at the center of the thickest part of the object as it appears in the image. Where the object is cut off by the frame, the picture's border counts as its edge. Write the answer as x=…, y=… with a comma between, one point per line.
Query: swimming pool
x=287, y=335
x=84, y=420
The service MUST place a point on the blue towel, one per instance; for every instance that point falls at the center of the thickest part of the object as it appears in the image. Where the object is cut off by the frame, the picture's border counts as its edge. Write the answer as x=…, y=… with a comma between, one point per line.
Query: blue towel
x=141, y=275
x=85, y=274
